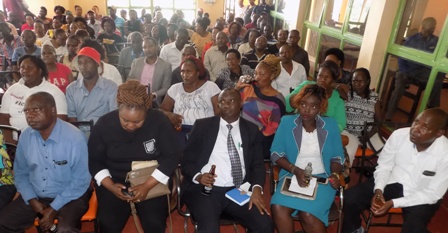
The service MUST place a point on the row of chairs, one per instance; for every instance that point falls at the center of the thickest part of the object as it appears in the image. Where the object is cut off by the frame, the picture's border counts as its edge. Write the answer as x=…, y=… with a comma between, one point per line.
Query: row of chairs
x=365, y=154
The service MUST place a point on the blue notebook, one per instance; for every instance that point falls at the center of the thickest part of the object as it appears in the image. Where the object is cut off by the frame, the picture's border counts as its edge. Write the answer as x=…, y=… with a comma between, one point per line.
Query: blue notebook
x=238, y=196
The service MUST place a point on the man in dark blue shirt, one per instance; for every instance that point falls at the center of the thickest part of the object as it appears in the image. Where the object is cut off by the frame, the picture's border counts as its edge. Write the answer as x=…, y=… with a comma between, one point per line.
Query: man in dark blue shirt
x=426, y=41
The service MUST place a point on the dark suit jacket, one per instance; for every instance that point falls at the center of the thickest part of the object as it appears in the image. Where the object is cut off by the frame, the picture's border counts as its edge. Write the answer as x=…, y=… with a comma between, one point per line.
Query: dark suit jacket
x=202, y=140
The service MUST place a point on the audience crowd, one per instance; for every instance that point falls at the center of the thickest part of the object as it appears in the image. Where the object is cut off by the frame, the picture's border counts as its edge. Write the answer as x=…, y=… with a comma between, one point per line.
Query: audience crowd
x=232, y=93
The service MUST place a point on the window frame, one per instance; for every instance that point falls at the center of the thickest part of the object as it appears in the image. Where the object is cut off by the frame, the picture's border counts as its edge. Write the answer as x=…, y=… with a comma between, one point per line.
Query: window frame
x=437, y=60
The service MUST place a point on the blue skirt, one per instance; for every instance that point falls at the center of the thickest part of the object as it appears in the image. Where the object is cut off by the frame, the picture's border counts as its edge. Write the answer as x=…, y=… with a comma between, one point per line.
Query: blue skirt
x=319, y=207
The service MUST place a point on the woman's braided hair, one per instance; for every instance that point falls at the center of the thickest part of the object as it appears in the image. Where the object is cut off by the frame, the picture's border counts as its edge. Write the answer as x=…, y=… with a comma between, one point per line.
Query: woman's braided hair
x=133, y=94
x=274, y=64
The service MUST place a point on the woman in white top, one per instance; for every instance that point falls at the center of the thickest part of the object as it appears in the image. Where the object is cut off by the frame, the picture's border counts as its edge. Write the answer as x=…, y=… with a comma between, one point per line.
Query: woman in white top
x=34, y=74
x=192, y=99
x=306, y=138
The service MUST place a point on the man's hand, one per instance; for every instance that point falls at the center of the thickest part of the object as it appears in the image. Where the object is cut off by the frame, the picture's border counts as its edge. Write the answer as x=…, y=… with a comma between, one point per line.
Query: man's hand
x=257, y=200
x=36, y=205
x=379, y=206
x=206, y=179
x=49, y=214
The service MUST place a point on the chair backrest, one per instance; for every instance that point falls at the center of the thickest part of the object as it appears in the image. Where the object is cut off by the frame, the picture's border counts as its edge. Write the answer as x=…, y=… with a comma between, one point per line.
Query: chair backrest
x=383, y=128
x=84, y=126
x=93, y=207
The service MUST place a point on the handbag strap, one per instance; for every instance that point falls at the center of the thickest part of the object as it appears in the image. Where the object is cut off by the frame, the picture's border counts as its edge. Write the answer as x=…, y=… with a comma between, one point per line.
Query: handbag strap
x=136, y=218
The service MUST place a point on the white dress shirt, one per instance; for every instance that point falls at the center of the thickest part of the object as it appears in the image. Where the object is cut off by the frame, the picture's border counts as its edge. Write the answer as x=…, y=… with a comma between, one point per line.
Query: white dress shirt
x=286, y=82
x=400, y=162
x=171, y=54
x=220, y=155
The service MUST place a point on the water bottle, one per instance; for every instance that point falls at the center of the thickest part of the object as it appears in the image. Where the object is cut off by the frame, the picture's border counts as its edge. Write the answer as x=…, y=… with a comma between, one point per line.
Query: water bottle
x=308, y=171
x=207, y=190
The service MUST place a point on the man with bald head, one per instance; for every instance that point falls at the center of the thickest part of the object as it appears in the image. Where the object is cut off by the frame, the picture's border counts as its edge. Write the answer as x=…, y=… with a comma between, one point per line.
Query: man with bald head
x=214, y=141
x=50, y=171
x=412, y=174
x=408, y=71
x=215, y=58
x=292, y=73
x=252, y=58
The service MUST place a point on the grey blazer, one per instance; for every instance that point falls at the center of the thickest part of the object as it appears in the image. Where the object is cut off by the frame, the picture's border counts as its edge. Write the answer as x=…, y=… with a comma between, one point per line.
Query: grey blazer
x=161, y=80
x=124, y=62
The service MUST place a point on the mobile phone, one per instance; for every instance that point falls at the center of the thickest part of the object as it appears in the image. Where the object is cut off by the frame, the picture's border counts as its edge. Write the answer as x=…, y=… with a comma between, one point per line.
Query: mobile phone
x=322, y=180
x=127, y=192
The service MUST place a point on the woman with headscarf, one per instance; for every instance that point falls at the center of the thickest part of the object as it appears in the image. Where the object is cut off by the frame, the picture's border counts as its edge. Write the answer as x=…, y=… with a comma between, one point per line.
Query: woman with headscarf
x=134, y=132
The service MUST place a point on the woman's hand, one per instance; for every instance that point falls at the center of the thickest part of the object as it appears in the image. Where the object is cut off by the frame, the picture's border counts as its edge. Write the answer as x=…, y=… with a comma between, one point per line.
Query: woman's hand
x=139, y=192
x=117, y=190
x=240, y=85
x=175, y=119
x=335, y=182
x=300, y=175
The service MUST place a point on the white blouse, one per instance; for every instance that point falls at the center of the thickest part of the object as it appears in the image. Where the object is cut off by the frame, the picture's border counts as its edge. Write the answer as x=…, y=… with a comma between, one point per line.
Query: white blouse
x=310, y=152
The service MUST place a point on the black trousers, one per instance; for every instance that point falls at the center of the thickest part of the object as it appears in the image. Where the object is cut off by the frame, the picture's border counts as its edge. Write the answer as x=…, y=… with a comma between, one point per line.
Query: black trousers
x=358, y=198
x=113, y=213
x=18, y=216
x=7, y=193
x=206, y=210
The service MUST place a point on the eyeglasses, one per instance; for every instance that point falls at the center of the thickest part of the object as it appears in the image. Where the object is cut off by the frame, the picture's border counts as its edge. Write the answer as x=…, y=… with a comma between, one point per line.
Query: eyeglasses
x=33, y=110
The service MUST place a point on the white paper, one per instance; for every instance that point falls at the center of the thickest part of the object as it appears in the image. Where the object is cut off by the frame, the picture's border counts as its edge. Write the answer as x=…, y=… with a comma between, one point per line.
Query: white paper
x=309, y=191
x=245, y=187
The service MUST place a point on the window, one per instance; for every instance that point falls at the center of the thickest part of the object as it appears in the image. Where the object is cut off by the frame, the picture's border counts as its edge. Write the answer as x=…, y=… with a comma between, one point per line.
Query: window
x=404, y=45
x=284, y=14
x=335, y=24
x=188, y=7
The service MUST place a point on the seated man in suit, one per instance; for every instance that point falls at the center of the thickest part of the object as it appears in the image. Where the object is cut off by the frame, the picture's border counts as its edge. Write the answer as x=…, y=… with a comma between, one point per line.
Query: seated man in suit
x=152, y=70
x=50, y=171
x=233, y=144
x=130, y=53
x=412, y=174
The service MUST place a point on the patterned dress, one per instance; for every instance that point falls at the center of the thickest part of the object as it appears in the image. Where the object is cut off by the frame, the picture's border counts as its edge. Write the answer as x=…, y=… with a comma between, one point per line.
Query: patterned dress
x=264, y=111
x=359, y=110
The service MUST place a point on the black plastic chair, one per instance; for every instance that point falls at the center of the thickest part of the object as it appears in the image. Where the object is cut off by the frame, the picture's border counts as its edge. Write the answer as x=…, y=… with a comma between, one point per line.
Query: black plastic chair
x=183, y=211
